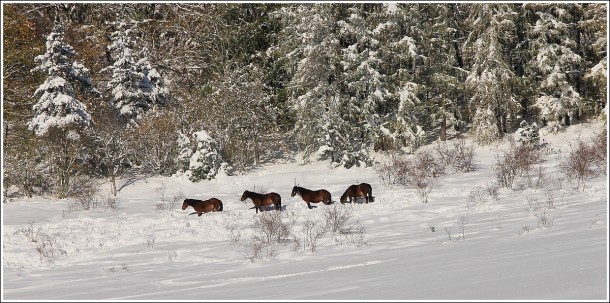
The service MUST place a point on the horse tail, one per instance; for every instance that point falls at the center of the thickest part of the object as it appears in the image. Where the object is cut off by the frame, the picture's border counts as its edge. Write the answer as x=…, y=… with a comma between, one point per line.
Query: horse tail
x=219, y=205
x=370, y=191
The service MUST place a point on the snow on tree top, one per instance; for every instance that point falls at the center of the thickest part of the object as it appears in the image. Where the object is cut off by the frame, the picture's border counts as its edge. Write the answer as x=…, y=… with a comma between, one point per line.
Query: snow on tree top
x=391, y=8
x=202, y=135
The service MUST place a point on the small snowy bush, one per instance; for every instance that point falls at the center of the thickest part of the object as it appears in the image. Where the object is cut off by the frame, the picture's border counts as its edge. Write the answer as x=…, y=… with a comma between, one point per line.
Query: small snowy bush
x=579, y=165
x=519, y=160
x=528, y=133
x=199, y=156
x=484, y=128
x=457, y=154
x=422, y=171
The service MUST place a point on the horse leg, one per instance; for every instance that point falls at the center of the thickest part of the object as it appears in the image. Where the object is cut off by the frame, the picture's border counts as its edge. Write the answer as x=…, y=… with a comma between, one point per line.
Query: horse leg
x=308, y=205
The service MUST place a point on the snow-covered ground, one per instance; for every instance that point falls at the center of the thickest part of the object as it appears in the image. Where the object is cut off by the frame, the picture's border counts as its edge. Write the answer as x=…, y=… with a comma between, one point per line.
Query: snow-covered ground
x=482, y=248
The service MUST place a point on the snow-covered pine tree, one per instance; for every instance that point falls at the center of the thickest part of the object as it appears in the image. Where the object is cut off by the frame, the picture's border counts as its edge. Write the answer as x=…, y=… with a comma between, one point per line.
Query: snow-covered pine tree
x=153, y=84
x=59, y=117
x=57, y=106
x=199, y=156
x=239, y=116
x=311, y=47
x=441, y=71
x=364, y=33
x=406, y=131
x=391, y=26
x=555, y=63
x=593, y=25
x=135, y=85
x=485, y=126
x=319, y=126
x=490, y=79
x=528, y=133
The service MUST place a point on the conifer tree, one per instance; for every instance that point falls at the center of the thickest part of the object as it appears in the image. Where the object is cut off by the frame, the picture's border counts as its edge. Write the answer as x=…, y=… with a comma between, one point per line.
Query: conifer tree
x=555, y=65
x=57, y=105
x=136, y=86
x=312, y=50
x=199, y=156
x=393, y=27
x=442, y=70
x=593, y=25
x=362, y=68
x=490, y=79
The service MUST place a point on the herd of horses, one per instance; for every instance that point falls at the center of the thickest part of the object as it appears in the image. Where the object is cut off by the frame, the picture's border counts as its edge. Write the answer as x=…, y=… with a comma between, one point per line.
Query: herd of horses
x=353, y=192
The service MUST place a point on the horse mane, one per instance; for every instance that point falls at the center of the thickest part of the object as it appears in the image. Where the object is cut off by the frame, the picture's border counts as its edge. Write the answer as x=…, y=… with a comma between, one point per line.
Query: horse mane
x=255, y=194
x=299, y=188
x=191, y=201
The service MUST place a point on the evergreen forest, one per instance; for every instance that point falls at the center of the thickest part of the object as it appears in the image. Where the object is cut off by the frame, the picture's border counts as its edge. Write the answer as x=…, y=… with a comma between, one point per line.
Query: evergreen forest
x=100, y=91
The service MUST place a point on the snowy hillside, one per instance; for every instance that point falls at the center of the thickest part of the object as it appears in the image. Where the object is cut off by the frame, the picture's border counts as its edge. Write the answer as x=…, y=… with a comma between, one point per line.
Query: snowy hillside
x=468, y=242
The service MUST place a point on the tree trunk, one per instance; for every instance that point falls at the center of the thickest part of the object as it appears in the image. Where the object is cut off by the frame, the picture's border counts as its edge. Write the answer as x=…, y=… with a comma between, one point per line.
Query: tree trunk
x=113, y=185
x=499, y=124
x=443, y=134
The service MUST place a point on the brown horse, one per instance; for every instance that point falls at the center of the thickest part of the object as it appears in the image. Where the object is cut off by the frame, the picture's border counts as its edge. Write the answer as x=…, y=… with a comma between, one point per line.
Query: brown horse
x=358, y=190
x=312, y=196
x=263, y=199
x=201, y=206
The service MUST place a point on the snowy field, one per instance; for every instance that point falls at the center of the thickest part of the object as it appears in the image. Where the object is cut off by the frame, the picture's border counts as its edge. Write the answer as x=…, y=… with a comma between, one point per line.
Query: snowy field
x=483, y=247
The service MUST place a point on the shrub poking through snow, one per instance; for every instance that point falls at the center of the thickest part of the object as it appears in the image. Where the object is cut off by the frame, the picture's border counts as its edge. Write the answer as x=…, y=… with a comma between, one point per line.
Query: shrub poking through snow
x=199, y=157
x=457, y=154
x=579, y=165
x=518, y=161
x=528, y=133
x=423, y=172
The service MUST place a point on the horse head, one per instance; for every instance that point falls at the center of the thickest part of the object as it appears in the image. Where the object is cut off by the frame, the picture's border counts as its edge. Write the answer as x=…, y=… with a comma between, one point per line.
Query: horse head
x=294, y=191
x=185, y=204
